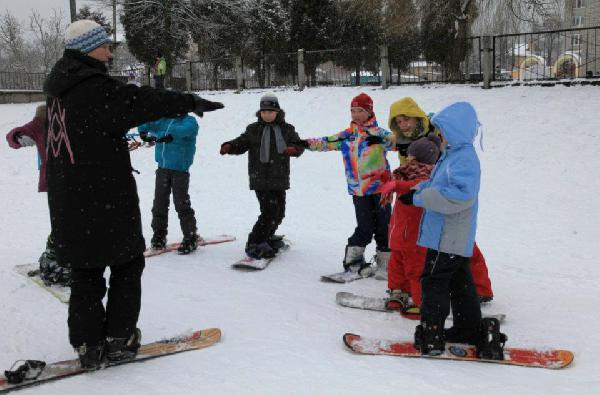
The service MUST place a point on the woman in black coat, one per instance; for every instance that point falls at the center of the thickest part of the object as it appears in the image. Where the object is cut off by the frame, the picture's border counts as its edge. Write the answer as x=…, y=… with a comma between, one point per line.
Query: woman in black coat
x=92, y=194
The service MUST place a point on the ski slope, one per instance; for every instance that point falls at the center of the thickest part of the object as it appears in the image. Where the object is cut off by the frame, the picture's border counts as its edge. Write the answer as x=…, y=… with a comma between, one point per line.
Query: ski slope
x=539, y=229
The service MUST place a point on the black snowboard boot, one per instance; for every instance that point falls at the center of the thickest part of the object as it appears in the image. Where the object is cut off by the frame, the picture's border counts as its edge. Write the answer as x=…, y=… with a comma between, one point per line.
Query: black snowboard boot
x=121, y=348
x=276, y=242
x=429, y=338
x=188, y=244
x=158, y=241
x=90, y=357
x=491, y=340
x=260, y=251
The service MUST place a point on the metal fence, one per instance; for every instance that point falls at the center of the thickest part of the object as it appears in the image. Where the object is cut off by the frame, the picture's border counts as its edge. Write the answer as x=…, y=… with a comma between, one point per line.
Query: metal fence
x=550, y=55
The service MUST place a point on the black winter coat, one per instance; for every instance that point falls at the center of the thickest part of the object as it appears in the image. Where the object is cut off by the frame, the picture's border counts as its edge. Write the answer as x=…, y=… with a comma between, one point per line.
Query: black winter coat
x=274, y=175
x=94, y=206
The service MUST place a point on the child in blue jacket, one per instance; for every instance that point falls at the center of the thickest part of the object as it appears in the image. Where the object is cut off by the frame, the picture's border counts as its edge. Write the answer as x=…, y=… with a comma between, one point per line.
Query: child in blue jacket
x=174, y=152
x=447, y=229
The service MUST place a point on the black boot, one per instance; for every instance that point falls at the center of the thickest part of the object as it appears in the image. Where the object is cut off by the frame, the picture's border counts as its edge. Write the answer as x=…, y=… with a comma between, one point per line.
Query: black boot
x=158, y=241
x=260, y=251
x=188, y=244
x=90, y=357
x=429, y=338
x=491, y=340
x=276, y=242
x=121, y=348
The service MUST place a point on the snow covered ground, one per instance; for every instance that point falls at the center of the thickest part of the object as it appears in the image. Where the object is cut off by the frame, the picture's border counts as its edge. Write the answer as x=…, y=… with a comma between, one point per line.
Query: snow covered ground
x=539, y=226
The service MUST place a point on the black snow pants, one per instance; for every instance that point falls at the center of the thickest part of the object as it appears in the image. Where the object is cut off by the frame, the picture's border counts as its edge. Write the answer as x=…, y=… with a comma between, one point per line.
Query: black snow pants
x=447, y=281
x=372, y=220
x=178, y=182
x=89, y=322
x=272, y=212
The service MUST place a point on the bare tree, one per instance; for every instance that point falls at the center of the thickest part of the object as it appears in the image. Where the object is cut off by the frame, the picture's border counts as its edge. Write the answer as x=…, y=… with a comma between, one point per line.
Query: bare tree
x=48, y=41
x=12, y=42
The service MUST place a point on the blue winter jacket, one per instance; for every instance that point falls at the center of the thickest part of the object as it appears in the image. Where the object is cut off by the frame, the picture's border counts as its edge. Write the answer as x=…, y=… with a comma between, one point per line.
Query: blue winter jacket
x=179, y=153
x=449, y=197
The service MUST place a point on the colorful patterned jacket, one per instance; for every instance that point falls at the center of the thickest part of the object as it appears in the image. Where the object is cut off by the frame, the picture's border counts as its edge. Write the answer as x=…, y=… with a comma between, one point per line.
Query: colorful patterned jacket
x=359, y=157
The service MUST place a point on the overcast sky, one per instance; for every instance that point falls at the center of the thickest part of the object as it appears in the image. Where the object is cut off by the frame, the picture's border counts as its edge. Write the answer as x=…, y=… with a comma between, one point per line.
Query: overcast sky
x=22, y=8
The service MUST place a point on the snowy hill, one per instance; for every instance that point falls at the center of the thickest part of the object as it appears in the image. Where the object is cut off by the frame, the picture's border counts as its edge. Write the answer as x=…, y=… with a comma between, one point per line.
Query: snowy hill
x=539, y=226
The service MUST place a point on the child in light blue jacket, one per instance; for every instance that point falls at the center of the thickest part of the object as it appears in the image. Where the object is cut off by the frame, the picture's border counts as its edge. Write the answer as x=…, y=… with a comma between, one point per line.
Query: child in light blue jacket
x=174, y=153
x=447, y=229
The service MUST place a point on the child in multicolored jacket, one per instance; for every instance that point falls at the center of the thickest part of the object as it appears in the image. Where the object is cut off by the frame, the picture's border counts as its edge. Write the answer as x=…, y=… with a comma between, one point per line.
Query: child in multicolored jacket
x=363, y=146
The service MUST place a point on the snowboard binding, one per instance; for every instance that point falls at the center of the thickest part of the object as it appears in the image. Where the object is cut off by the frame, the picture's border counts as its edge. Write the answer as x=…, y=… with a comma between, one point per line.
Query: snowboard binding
x=29, y=370
x=491, y=344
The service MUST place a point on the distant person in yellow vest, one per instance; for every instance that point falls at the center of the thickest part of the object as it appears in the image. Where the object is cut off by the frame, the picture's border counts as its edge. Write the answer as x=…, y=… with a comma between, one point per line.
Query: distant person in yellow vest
x=160, y=69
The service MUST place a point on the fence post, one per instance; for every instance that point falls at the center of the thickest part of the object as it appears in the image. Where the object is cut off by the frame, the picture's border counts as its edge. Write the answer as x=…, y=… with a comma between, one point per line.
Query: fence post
x=239, y=73
x=301, y=75
x=487, y=61
x=385, y=66
x=188, y=76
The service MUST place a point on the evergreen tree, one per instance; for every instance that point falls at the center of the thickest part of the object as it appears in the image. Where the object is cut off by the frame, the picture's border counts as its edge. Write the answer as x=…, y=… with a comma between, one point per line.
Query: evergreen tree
x=270, y=29
x=401, y=34
x=444, y=28
x=313, y=26
x=362, y=32
x=153, y=27
x=86, y=12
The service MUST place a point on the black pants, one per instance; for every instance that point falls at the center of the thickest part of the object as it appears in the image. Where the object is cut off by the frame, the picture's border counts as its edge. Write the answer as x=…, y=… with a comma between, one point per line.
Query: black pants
x=272, y=212
x=89, y=321
x=372, y=220
x=178, y=182
x=159, y=81
x=447, y=281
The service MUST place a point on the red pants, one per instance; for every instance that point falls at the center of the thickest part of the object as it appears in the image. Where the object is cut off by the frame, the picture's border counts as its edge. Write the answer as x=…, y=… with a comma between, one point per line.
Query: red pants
x=405, y=268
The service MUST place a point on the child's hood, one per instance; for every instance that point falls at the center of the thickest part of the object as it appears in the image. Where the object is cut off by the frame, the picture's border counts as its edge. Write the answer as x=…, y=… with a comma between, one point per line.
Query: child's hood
x=458, y=123
x=407, y=107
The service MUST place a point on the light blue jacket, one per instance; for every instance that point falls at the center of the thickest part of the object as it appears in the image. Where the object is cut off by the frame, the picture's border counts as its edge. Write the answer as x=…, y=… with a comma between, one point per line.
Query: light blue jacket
x=179, y=153
x=449, y=197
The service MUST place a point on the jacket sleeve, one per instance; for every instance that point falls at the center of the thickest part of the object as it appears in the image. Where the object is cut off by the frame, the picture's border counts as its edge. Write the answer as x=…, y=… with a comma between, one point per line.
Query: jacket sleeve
x=240, y=144
x=33, y=129
x=293, y=139
x=327, y=143
x=127, y=105
x=458, y=195
x=389, y=140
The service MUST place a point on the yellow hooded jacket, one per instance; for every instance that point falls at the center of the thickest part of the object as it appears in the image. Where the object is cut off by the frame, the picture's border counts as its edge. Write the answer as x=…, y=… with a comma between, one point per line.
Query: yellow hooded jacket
x=409, y=108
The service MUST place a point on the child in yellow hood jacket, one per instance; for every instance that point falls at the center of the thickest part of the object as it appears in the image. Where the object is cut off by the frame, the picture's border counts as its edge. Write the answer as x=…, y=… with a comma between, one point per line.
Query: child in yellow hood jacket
x=363, y=146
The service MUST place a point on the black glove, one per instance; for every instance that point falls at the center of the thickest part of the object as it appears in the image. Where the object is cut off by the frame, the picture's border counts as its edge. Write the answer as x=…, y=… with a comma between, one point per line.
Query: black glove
x=165, y=139
x=202, y=105
x=144, y=137
x=302, y=143
x=371, y=140
x=402, y=149
x=407, y=198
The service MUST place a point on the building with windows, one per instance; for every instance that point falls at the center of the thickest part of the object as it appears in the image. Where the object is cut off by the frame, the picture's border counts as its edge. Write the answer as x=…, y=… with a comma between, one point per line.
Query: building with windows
x=582, y=59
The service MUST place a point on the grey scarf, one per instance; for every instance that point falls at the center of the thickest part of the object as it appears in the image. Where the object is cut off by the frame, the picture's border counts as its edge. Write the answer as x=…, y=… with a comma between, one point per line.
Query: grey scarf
x=265, y=142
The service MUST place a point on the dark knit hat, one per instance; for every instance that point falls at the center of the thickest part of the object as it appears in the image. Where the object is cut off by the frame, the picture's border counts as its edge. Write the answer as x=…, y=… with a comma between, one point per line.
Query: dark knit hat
x=269, y=102
x=363, y=101
x=426, y=149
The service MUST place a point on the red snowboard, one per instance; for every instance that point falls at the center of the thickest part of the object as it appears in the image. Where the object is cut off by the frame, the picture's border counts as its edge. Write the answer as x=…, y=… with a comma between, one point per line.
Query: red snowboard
x=203, y=241
x=549, y=359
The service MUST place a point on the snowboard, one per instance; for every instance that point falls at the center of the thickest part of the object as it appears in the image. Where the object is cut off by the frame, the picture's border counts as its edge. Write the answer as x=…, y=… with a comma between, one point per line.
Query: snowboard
x=348, y=299
x=203, y=241
x=31, y=271
x=251, y=264
x=59, y=370
x=343, y=277
x=547, y=358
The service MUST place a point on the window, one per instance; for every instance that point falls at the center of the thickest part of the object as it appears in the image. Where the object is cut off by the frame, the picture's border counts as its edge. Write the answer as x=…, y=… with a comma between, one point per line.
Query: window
x=578, y=21
x=576, y=40
x=578, y=4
